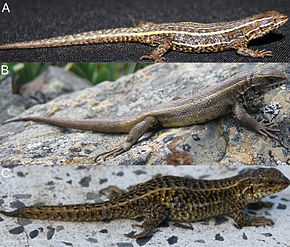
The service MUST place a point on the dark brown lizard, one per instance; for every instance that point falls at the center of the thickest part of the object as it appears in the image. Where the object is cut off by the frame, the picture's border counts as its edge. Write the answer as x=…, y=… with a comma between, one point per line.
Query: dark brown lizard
x=207, y=104
x=182, y=36
x=175, y=198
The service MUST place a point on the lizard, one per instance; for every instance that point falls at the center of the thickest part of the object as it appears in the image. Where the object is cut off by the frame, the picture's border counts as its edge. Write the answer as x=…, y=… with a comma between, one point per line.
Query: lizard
x=180, y=36
x=210, y=103
x=175, y=198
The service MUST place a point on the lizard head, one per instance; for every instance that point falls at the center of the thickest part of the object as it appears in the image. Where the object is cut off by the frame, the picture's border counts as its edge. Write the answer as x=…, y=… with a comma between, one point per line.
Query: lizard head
x=267, y=78
x=264, y=23
x=263, y=182
x=260, y=80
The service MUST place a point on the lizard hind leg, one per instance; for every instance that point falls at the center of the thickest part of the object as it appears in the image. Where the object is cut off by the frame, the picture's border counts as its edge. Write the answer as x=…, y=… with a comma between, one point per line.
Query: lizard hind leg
x=135, y=133
x=155, y=214
x=157, y=54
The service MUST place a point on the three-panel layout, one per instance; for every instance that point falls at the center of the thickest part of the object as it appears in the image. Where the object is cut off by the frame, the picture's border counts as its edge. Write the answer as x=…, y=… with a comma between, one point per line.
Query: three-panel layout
x=132, y=123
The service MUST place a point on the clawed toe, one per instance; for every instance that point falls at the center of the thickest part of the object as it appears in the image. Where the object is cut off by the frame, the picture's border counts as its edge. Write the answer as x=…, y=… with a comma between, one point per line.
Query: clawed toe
x=115, y=152
x=147, y=232
x=121, y=148
x=154, y=58
x=266, y=133
x=136, y=225
x=262, y=221
x=263, y=129
x=263, y=53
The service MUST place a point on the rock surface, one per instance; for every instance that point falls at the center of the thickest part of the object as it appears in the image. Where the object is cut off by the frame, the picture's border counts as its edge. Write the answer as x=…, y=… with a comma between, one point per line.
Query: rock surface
x=65, y=184
x=12, y=105
x=221, y=141
x=55, y=81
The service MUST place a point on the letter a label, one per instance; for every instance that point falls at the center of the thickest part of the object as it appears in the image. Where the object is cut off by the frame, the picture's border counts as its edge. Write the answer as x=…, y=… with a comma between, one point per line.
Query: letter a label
x=5, y=8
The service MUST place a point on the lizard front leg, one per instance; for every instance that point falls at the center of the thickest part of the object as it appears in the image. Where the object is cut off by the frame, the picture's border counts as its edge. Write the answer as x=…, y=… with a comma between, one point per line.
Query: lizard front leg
x=154, y=215
x=243, y=50
x=251, y=123
x=135, y=133
x=244, y=220
x=165, y=44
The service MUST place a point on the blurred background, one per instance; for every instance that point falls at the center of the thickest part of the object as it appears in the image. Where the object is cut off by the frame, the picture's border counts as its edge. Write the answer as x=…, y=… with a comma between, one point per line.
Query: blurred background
x=93, y=72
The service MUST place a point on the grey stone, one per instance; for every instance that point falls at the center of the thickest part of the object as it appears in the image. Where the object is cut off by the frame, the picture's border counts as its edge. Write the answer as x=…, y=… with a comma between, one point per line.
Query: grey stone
x=12, y=104
x=53, y=82
x=50, y=84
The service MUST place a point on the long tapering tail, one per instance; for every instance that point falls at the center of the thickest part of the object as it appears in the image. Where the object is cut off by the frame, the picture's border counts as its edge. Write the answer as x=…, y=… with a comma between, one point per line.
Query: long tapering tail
x=86, y=38
x=74, y=212
x=14, y=213
x=98, y=125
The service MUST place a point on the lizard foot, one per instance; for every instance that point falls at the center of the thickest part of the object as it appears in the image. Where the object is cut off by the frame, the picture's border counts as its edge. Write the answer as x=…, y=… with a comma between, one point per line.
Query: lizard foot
x=244, y=51
x=123, y=147
x=148, y=231
x=263, y=53
x=260, y=221
x=156, y=59
x=263, y=129
x=254, y=221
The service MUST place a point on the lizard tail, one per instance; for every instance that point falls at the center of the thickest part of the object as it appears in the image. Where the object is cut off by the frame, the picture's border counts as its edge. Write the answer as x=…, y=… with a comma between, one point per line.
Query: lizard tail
x=74, y=212
x=14, y=213
x=98, y=125
x=95, y=37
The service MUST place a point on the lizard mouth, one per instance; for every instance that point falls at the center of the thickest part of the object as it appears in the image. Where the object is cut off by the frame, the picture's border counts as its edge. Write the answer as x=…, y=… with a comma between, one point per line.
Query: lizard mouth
x=282, y=20
x=278, y=82
x=279, y=20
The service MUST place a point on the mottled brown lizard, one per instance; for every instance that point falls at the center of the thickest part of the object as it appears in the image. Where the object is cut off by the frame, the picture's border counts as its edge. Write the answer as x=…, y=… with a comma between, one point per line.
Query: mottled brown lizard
x=175, y=198
x=182, y=36
x=244, y=88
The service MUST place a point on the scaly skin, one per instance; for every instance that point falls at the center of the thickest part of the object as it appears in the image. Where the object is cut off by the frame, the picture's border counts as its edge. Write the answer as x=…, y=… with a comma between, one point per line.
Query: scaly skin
x=205, y=105
x=183, y=36
x=175, y=198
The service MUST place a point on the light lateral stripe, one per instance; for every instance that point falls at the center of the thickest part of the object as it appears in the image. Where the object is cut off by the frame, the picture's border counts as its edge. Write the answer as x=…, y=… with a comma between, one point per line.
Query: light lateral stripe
x=148, y=193
x=203, y=45
x=142, y=33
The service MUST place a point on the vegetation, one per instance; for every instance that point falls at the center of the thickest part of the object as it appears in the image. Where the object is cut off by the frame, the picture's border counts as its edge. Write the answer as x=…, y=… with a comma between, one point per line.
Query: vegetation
x=93, y=72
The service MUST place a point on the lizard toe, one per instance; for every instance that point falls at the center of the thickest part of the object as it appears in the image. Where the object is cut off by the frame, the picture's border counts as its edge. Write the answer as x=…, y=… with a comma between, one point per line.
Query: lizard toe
x=145, y=233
